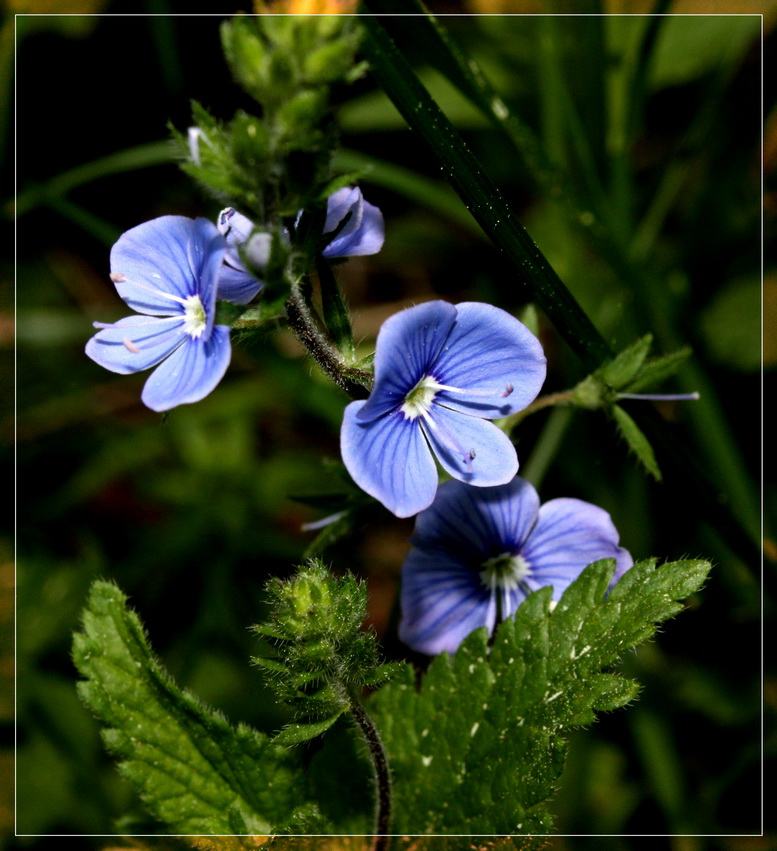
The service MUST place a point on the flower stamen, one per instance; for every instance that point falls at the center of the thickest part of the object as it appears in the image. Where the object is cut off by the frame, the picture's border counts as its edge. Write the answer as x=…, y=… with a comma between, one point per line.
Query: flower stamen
x=507, y=571
x=118, y=278
x=448, y=440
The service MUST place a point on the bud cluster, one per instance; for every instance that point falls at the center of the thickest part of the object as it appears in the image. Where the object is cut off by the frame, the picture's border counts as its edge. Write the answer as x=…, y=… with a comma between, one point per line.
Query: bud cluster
x=321, y=654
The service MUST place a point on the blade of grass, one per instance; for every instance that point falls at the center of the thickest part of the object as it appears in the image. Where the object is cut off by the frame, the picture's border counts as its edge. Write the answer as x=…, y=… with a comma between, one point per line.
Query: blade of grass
x=130, y=159
x=480, y=195
x=432, y=194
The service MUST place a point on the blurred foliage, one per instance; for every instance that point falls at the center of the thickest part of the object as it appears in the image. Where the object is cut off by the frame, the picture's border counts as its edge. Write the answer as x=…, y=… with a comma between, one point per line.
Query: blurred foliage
x=191, y=513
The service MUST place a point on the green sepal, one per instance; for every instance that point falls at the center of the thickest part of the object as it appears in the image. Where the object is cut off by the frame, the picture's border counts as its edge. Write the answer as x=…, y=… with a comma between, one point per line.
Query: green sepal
x=269, y=664
x=295, y=734
x=228, y=313
x=626, y=364
x=637, y=441
x=659, y=369
x=265, y=311
x=246, y=54
x=336, y=315
x=329, y=63
x=383, y=674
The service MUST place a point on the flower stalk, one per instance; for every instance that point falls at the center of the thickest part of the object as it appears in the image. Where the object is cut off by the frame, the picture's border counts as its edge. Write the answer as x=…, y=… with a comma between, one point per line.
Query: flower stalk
x=380, y=769
x=355, y=382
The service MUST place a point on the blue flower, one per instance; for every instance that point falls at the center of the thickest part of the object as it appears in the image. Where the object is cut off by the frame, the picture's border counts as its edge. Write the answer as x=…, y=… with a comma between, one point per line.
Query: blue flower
x=474, y=545
x=166, y=270
x=236, y=283
x=440, y=373
x=362, y=233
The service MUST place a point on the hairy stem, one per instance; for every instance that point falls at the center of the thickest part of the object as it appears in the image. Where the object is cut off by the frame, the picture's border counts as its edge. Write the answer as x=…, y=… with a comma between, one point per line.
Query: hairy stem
x=353, y=381
x=380, y=767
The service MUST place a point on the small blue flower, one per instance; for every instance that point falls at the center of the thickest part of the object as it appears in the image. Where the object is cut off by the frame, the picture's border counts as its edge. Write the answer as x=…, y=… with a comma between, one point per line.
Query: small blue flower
x=362, y=233
x=236, y=283
x=441, y=372
x=167, y=269
x=474, y=544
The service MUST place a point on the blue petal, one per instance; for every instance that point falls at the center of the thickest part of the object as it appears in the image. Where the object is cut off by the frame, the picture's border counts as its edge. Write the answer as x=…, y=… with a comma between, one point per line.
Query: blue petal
x=477, y=523
x=408, y=344
x=569, y=535
x=443, y=601
x=235, y=284
x=364, y=232
x=339, y=204
x=470, y=449
x=389, y=459
x=153, y=338
x=206, y=255
x=234, y=226
x=166, y=257
x=190, y=373
x=490, y=350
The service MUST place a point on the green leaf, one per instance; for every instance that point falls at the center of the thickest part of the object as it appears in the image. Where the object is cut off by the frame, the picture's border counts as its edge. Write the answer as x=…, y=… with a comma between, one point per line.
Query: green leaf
x=637, y=441
x=195, y=772
x=626, y=364
x=295, y=734
x=478, y=749
x=658, y=369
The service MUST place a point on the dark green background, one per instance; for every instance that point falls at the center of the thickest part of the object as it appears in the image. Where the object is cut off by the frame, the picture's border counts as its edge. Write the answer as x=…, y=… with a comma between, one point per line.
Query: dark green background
x=189, y=515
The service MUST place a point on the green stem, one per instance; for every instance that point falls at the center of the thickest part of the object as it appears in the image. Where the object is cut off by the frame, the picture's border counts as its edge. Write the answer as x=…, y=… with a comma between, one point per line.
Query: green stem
x=380, y=767
x=564, y=397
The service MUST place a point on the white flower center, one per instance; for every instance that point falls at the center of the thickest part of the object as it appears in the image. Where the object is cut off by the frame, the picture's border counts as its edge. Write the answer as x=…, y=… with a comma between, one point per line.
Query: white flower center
x=194, y=318
x=419, y=400
x=506, y=570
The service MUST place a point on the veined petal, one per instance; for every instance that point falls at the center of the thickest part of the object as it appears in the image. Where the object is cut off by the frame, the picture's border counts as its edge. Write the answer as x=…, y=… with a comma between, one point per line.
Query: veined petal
x=389, y=459
x=206, y=249
x=408, y=343
x=443, y=601
x=366, y=237
x=234, y=226
x=339, y=204
x=150, y=339
x=472, y=450
x=488, y=349
x=190, y=373
x=235, y=284
x=158, y=263
x=568, y=536
x=477, y=523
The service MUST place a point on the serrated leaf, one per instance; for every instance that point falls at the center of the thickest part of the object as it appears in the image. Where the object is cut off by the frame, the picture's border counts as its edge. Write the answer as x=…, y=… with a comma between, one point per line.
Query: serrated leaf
x=626, y=364
x=195, y=772
x=295, y=734
x=479, y=748
x=637, y=441
x=656, y=370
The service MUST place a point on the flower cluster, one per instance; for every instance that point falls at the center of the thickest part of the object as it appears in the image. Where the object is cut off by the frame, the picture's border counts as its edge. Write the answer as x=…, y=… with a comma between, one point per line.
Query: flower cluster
x=482, y=542
x=479, y=552
x=171, y=271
